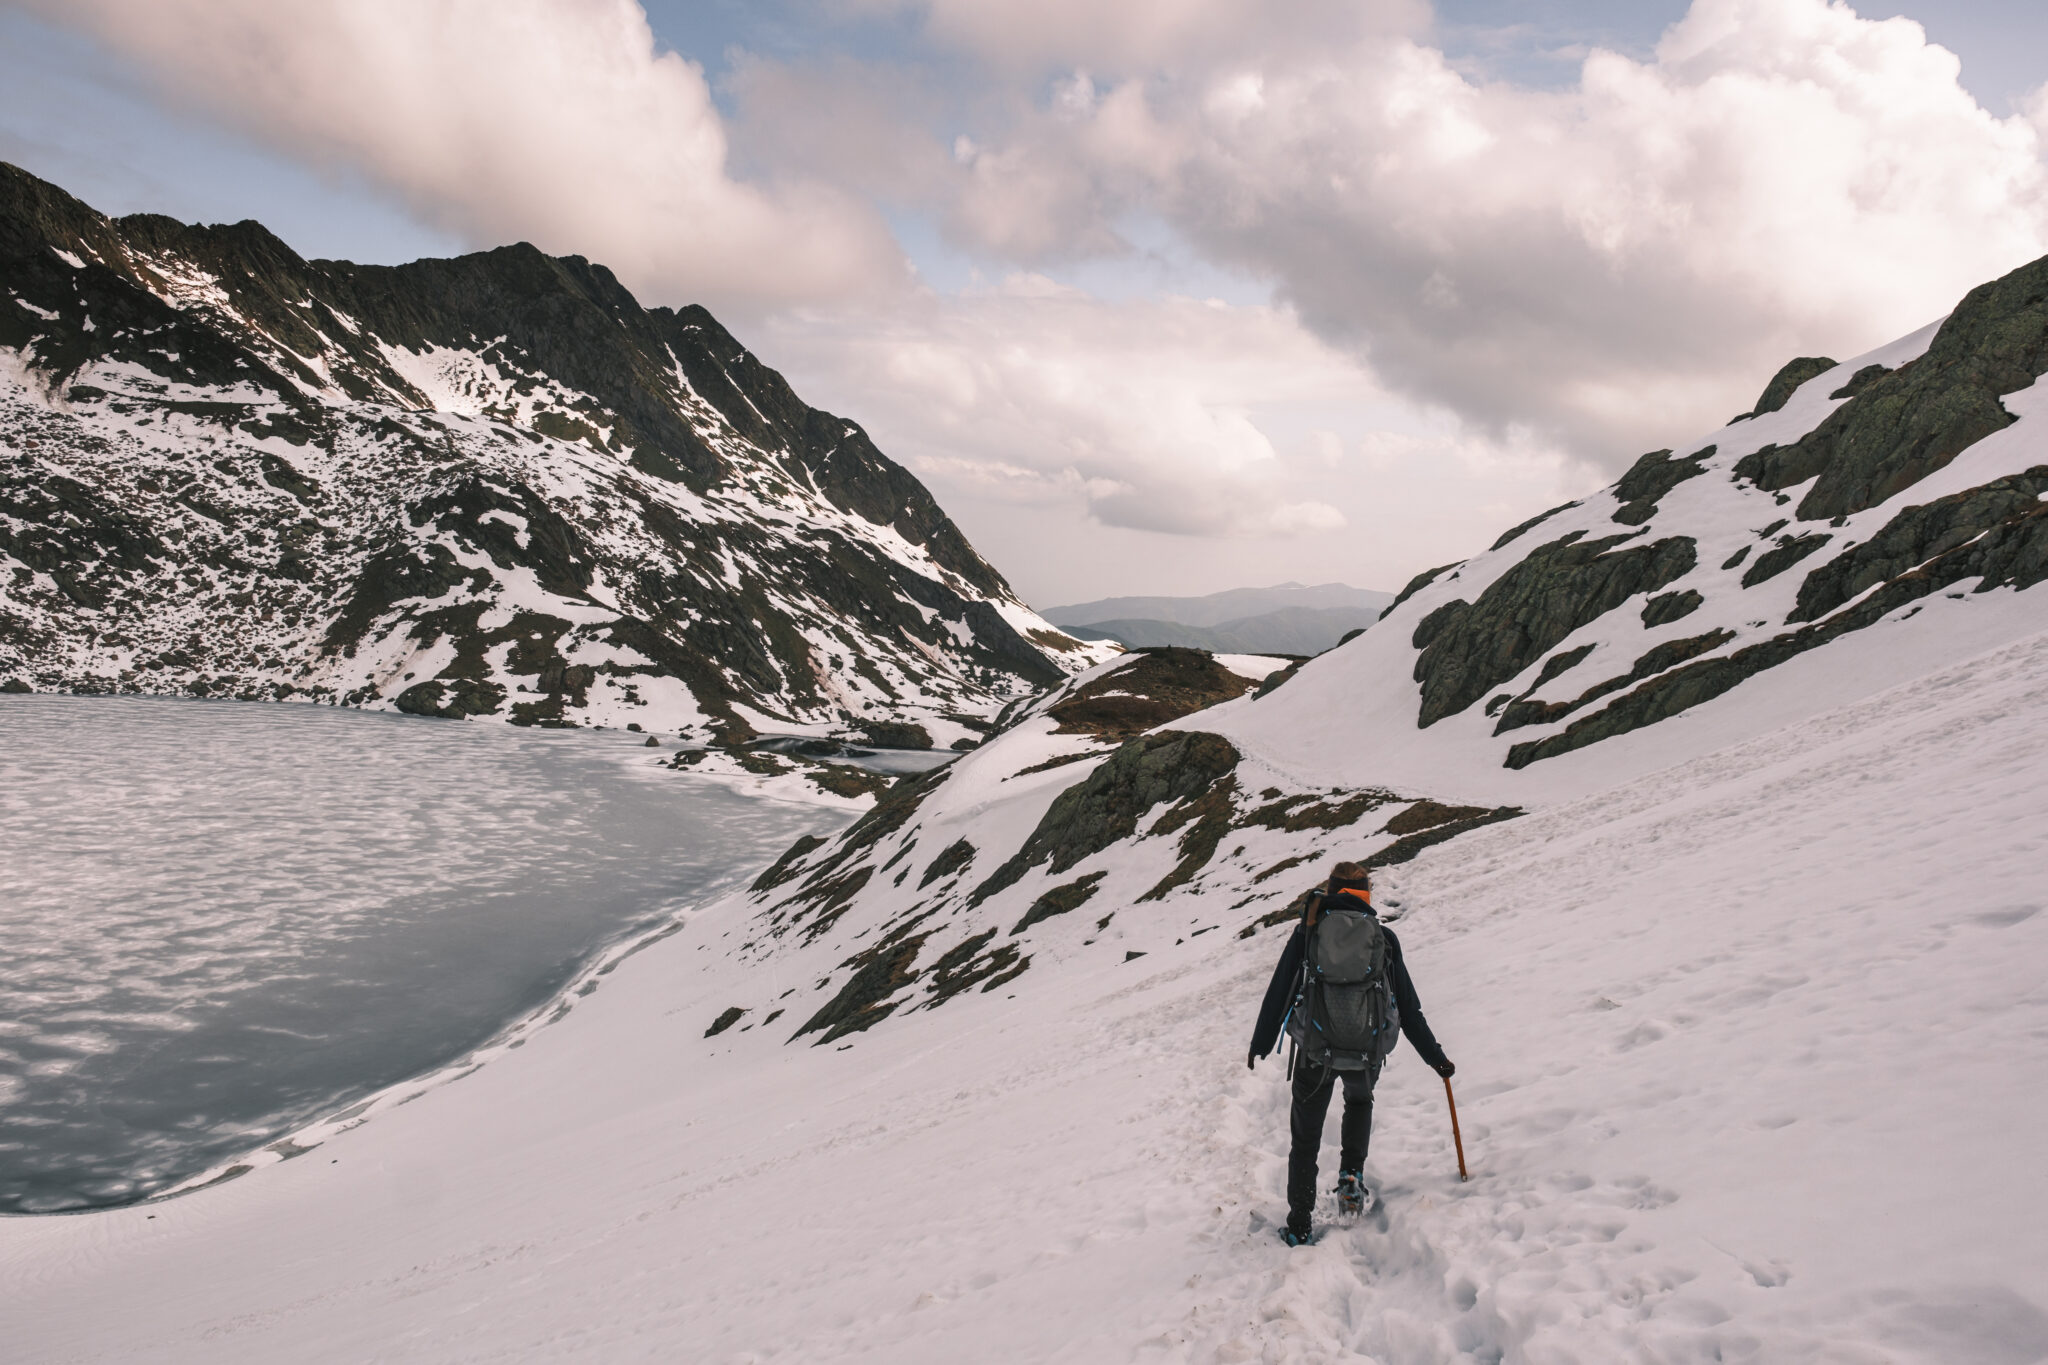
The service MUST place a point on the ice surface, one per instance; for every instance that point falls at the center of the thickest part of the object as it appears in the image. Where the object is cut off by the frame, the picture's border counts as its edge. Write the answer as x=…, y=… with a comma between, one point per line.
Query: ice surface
x=222, y=920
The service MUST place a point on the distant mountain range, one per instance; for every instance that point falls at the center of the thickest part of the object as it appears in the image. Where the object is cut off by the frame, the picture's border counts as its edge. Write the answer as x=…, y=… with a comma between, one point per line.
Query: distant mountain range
x=1286, y=619
x=488, y=486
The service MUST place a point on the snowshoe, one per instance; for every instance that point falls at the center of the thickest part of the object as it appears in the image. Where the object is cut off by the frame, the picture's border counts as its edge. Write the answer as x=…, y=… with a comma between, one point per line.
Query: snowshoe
x=1353, y=1198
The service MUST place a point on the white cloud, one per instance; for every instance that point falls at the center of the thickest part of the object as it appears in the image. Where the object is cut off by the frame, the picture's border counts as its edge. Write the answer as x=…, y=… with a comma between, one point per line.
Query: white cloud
x=1146, y=411
x=1481, y=287
x=556, y=121
x=1616, y=265
x=1165, y=444
x=1145, y=35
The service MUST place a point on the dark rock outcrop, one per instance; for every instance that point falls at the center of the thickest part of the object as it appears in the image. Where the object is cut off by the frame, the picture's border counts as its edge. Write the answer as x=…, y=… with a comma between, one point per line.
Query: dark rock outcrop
x=1514, y=533
x=1915, y=536
x=1158, y=685
x=1650, y=478
x=1670, y=654
x=1860, y=381
x=1059, y=901
x=1788, y=551
x=1786, y=382
x=1153, y=770
x=1903, y=425
x=956, y=856
x=1429, y=576
x=1468, y=649
x=2013, y=552
x=1665, y=608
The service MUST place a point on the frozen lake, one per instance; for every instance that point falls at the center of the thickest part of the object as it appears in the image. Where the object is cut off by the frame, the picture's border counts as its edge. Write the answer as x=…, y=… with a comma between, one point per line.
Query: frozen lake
x=219, y=921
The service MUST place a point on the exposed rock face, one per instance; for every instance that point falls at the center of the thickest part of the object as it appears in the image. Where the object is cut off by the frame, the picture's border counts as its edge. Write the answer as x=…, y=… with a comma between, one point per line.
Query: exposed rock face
x=957, y=877
x=492, y=486
x=1786, y=382
x=1649, y=479
x=1429, y=576
x=1512, y=533
x=1160, y=769
x=1670, y=654
x=2012, y=553
x=1665, y=608
x=1916, y=536
x=1788, y=551
x=1904, y=424
x=1158, y=685
x=951, y=862
x=1470, y=648
x=1731, y=560
x=1060, y=900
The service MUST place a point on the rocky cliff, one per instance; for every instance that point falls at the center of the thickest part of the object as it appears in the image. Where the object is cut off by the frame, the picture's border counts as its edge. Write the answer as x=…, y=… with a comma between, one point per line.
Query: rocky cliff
x=489, y=486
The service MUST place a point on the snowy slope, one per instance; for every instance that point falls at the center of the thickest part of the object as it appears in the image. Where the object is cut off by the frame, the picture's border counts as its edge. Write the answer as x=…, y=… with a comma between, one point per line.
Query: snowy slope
x=1749, y=1050
x=488, y=486
x=1716, y=849
x=1871, y=522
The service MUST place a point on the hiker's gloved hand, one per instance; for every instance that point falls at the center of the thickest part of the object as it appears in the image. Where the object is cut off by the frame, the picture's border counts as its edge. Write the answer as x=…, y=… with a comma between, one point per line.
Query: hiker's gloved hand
x=1446, y=1068
x=1251, y=1060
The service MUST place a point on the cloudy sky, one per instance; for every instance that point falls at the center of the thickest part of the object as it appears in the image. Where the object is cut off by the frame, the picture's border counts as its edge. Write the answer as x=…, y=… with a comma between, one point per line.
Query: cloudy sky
x=1159, y=296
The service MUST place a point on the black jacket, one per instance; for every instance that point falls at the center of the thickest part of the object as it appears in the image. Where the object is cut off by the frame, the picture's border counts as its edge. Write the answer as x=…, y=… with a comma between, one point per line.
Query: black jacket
x=1280, y=992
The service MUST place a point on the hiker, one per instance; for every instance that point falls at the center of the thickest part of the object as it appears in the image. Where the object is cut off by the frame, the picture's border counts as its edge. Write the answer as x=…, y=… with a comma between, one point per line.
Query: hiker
x=1343, y=1017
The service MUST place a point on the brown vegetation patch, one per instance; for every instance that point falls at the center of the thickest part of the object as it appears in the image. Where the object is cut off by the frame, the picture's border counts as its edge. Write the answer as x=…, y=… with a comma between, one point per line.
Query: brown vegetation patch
x=1428, y=814
x=1158, y=686
x=1058, y=761
x=1290, y=911
x=1207, y=819
x=1058, y=901
x=865, y=1000
x=1298, y=813
x=957, y=855
x=787, y=866
x=1277, y=868
x=1408, y=845
x=842, y=780
x=1052, y=639
x=964, y=966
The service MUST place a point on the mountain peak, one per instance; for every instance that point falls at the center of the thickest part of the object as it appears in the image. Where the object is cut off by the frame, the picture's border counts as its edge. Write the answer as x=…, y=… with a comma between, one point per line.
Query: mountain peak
x=440, y=485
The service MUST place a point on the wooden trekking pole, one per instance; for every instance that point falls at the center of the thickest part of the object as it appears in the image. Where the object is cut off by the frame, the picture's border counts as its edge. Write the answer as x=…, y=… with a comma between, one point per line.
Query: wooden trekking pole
x=1456, y=1137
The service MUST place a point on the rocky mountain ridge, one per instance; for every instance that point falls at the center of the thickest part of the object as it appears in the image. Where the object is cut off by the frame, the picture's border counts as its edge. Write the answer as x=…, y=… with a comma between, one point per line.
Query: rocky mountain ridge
x=1867, y=524
x=488, y=486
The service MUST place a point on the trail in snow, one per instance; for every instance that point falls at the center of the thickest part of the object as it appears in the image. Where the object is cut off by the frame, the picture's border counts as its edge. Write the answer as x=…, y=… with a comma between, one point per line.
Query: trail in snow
x=1750, y=1055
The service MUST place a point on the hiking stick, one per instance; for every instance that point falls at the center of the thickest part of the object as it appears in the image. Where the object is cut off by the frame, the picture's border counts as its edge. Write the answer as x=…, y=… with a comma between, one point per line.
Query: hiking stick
x=1456, y=1137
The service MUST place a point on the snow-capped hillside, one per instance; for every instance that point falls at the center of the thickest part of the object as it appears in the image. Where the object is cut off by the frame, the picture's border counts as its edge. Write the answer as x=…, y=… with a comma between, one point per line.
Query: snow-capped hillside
x=1869, y=523
x=493, y=486
x=1872, y=520
x=1749, y=1060
x=1082, y=828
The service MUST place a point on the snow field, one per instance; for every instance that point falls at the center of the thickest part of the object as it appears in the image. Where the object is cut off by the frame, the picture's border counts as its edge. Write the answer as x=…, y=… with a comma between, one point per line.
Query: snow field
x=1750, y=1059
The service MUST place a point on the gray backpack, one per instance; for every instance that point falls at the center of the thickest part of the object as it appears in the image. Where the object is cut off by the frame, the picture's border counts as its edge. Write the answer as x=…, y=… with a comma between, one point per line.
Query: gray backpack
x=1344, y=1015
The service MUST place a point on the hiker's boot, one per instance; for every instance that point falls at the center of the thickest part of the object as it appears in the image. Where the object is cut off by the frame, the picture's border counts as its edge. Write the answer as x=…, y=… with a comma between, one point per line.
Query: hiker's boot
x=1297, y=1232
x=1353, y=1198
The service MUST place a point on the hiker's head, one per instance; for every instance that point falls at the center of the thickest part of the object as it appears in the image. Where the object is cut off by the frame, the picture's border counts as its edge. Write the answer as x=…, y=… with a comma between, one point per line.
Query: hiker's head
x=1350, y=877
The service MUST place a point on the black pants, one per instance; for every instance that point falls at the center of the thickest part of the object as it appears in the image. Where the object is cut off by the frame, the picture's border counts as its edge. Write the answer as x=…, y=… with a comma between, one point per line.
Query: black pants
x=1313, y=1086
